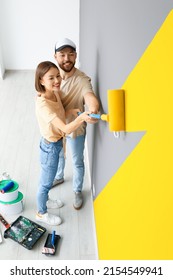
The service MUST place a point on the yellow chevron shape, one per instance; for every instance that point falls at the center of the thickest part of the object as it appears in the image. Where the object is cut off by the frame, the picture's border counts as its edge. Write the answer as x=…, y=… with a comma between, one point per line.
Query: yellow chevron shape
x=134, y=212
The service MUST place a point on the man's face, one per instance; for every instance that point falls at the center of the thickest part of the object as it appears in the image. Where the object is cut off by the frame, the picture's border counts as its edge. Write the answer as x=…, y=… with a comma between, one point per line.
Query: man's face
x=66, y=59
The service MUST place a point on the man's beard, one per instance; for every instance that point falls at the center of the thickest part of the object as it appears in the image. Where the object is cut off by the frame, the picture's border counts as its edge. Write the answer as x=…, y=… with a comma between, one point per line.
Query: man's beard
x=67, y=68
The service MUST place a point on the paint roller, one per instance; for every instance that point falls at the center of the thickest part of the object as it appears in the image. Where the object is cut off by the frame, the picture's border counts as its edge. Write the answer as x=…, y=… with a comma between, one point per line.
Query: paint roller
x=7, y=187
x=116, y=111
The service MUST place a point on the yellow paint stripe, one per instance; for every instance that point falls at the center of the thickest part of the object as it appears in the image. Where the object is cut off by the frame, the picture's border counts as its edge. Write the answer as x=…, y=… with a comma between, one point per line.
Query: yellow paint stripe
x=134, y=212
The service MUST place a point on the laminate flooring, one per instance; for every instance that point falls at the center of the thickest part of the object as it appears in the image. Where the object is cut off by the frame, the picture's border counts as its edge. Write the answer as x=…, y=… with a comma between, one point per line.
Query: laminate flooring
x=19, y=156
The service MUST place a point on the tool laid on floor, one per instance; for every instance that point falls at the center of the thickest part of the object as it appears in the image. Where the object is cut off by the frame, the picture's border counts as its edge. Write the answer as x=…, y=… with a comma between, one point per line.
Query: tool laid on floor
x=7, y=187
x=11, y=199
x=53, y=239
x=25, y=232
x=51, y=244
x=4, y=222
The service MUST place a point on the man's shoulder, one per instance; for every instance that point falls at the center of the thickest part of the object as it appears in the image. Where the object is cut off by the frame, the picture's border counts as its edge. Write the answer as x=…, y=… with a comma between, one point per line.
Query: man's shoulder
x=81, y=75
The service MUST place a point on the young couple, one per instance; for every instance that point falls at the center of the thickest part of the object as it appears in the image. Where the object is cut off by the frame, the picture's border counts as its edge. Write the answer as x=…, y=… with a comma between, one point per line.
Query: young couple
x=62, y=92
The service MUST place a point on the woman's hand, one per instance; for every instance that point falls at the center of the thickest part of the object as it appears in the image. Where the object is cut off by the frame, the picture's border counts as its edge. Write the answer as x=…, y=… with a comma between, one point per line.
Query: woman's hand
x=84, y=116
x=72, y=112
x=92, y=119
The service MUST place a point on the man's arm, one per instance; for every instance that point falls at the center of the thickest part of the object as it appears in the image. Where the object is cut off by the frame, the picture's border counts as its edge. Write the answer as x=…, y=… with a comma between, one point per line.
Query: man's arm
x=92, y=104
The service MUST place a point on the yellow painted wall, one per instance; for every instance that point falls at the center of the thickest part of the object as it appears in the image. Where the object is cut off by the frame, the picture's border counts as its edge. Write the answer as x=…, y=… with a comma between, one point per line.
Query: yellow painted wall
x=134, y=212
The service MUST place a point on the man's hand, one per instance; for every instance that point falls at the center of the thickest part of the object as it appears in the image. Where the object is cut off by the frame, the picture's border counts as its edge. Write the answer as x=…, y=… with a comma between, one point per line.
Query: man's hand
x=92, y=103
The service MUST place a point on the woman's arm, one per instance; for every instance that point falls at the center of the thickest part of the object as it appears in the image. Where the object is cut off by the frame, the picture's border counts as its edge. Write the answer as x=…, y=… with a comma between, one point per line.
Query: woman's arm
x=71, y=112
x=68, y=128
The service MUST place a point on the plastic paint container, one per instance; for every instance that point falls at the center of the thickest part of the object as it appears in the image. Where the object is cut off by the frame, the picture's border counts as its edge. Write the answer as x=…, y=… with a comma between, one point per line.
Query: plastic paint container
x=12, y=207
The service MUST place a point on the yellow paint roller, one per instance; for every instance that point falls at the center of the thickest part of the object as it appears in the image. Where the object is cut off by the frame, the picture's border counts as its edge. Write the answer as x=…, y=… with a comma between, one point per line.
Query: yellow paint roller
x=116, y=110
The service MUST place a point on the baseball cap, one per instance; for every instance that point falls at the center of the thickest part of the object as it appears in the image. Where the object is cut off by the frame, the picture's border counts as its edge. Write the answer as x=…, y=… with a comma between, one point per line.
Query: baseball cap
x=64, y=43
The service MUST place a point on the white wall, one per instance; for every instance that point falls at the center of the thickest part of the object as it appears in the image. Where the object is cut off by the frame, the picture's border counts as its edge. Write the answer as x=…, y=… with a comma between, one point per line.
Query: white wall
x=30, y=28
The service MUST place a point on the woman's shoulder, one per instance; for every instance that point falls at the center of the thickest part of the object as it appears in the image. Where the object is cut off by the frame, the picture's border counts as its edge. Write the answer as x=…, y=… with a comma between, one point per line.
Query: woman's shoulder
x=40, y=101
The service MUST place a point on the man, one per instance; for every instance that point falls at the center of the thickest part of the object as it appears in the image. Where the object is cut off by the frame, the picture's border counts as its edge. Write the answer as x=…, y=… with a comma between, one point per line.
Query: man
x=77, y=92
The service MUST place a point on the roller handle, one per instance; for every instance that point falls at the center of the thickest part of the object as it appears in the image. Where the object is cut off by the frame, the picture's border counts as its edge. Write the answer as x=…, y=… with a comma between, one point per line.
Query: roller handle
x=95, y=116
x=53, y=238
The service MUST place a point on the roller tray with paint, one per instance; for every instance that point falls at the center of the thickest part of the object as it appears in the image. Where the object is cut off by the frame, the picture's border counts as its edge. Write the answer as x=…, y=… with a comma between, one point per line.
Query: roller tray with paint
x=25, y=232
x=51, y=244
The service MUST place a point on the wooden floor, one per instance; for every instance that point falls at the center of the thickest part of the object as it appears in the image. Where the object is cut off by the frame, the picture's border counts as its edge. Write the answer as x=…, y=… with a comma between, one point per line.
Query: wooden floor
x=19, y=156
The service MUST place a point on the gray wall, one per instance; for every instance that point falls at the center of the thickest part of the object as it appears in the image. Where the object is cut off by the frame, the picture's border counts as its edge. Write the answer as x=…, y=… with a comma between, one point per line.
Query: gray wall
x=113, y=36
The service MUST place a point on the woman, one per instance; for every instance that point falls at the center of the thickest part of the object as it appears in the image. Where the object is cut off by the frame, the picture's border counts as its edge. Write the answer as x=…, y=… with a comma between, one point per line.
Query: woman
x=51, y=119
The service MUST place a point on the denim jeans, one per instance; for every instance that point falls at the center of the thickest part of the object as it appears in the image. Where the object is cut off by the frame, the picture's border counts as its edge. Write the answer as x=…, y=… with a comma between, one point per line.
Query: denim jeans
x=49, y=157
x=76, y=146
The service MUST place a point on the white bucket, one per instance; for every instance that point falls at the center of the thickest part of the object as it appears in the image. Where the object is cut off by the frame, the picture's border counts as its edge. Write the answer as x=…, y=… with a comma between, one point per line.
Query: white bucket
x=12, y=207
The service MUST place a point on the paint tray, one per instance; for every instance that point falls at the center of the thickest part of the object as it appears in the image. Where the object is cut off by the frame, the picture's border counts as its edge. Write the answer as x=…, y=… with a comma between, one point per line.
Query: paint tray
x=25, y=232
x=49, y=247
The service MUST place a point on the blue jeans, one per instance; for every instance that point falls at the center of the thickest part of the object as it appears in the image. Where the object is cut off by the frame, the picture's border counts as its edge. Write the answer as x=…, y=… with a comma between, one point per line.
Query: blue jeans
x=49, y=157
x=76, y=146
